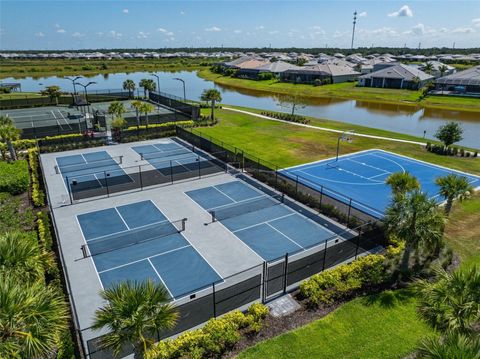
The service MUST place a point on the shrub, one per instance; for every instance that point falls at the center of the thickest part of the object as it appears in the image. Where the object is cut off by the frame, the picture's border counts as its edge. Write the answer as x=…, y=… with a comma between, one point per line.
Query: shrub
x=265, y=76
x=331, y=285
x=38, y=197
x=14, y=177
x=217, y=336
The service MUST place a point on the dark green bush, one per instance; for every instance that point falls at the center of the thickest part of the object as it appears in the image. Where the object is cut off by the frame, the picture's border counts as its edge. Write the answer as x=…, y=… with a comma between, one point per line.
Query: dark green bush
x=14, y=177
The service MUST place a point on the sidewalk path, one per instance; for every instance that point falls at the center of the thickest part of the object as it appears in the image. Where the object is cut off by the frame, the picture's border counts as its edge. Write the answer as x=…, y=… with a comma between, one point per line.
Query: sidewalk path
x=323, y=128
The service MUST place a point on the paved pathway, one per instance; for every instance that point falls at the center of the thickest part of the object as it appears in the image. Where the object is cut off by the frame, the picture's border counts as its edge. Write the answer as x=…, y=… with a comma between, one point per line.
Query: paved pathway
x=323, y=128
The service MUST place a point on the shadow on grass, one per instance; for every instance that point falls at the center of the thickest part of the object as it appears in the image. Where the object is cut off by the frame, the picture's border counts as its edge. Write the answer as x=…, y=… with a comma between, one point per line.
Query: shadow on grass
x=389, y=298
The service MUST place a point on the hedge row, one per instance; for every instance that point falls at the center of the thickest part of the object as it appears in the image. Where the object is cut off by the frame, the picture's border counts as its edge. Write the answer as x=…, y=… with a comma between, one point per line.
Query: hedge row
x=215, y=338
x=38, y=197
x=160, y=125
x=286, y=117
x=14, y=177
x=450, y=151
x=344, y=280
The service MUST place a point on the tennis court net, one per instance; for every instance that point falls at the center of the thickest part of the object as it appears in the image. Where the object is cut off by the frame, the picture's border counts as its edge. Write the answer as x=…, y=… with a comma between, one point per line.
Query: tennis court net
x=161, y=155
x=116, y=160
x=248, y=206
x=116, y=241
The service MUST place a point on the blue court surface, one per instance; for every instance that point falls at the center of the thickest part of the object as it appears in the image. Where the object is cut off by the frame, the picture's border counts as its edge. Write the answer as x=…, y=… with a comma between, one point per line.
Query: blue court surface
x=91, y=170
x=172, y=158
x=262, y=222
x=136, y=242
x=361, y=176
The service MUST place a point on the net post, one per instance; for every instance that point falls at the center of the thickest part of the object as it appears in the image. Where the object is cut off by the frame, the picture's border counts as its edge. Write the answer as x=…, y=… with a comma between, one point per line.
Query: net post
x=212, y=213
x=70, y=192
x=83, y=247
x=121, y=159
x=282, y=198
x=214, y=301
x=184, y=220
x=57, y=171
x=141, y=156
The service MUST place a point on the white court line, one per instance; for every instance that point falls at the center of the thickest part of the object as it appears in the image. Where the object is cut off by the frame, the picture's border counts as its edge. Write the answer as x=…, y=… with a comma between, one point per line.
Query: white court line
x=367, y=165
x=161, y=279
x=264, y=222
x=237, y=202
x=381, y=174
x=144, y=258
x=121, y=217
x=283, y=234
x=226, y=195
x=181, y=164
x=338, y=169
x=97, y=273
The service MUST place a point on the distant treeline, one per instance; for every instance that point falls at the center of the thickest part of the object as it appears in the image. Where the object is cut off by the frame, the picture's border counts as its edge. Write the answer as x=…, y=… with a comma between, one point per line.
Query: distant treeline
x=316, y=50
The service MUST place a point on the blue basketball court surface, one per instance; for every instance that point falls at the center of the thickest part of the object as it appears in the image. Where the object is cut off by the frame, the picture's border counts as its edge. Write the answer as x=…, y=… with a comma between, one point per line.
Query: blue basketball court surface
x=91, y=170
x=262, y=222
x=361, y=177
x=137, y=242
x=172, y=158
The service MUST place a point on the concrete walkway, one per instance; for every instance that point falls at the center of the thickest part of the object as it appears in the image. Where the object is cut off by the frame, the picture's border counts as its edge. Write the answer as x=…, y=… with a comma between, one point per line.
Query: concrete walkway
x=323, y=128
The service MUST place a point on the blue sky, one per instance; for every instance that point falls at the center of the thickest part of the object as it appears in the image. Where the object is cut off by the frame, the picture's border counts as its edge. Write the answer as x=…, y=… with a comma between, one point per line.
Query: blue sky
x=72, y=24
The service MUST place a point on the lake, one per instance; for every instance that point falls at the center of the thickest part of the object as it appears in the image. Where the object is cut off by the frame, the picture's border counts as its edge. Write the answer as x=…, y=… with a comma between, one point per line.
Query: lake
x=398, y=118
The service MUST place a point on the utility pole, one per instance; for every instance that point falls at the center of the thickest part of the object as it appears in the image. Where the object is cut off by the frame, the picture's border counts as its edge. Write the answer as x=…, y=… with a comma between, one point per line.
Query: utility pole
x=354, y=23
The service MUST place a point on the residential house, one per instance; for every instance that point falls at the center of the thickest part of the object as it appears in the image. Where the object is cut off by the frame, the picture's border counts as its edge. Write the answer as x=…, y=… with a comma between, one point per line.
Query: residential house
x=399, y=76
x=463, y=82
x=323, y=72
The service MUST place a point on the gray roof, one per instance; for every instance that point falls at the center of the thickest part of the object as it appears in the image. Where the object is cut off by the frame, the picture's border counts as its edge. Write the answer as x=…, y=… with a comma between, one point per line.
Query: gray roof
x=278, y=66
x=401, y=71
x=327, y=70
x=469, y=76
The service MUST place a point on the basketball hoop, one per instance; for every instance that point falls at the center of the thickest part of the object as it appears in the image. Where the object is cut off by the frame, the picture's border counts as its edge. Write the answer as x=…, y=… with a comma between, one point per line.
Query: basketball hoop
x=346, y=136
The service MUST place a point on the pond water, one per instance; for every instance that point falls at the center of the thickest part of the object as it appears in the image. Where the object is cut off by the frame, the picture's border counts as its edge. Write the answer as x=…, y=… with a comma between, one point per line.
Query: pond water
x=397, y=118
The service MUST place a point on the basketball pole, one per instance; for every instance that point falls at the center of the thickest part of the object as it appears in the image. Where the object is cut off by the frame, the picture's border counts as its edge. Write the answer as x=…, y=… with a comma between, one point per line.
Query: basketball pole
x=338, y=147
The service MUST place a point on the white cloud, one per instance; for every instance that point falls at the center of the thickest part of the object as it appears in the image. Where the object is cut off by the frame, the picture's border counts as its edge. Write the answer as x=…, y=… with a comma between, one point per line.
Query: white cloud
x=476, y=22
x=182, y=12
x=463, y=30
x=142, y=35
x=165, y=31
x=114, y=34
x=362, y=14
x=39, y=34
x=273, y=32
x=404, y=11
x=57, y=26
x=125, y=11
x=78, y=35
x=261, y=27
x=318, y=30
x=213, y=29
x=237, y=31
x=61, y=31
x=100, y=34
x=418, y=29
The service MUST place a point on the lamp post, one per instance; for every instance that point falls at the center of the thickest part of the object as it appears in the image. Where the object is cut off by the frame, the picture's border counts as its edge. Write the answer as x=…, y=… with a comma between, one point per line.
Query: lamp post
x=158, y=82
x=85, y=88
x=73, y=79
x=184, y=93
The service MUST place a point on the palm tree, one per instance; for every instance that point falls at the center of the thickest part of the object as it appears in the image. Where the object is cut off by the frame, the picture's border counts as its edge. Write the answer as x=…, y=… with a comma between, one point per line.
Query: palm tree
x=116, y=109
x=130, y=86
x=453, y=187
x=442, y=68
x=452, y=303
x=452, y=346
x=8, y=134
x=53, y=92
x=415, y=219
x=137, y=106
x=416, y=82
x=428, y=68
x=21, y=256
x=402, y=182
x=148, y=85
x=146, y=108
x=135, y=311
x=32, y=318
x=211, y=95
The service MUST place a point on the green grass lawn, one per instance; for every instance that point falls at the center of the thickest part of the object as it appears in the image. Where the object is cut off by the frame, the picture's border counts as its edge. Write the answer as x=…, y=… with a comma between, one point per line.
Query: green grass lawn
x=347, y=90
x=288, y=145
x=380, y=326
x=15, y=95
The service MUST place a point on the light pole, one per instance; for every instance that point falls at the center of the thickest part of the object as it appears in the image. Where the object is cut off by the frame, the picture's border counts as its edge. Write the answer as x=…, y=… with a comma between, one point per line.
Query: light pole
x=158, y=82
x=73, y=79
x=184, y=93
x=85, y=88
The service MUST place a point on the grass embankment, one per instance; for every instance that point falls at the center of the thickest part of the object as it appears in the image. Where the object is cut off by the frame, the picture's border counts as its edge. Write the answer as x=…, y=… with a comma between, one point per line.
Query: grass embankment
x=288, y=145
x=378, y=326
x=65, y=67
x=346, y=90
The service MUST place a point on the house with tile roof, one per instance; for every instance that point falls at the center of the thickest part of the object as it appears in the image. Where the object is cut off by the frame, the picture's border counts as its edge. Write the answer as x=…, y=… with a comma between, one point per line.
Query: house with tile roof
x=399, y=76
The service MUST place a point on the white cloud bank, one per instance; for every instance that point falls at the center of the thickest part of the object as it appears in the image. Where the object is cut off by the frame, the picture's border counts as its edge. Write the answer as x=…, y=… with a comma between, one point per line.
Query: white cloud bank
x=404, y=11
